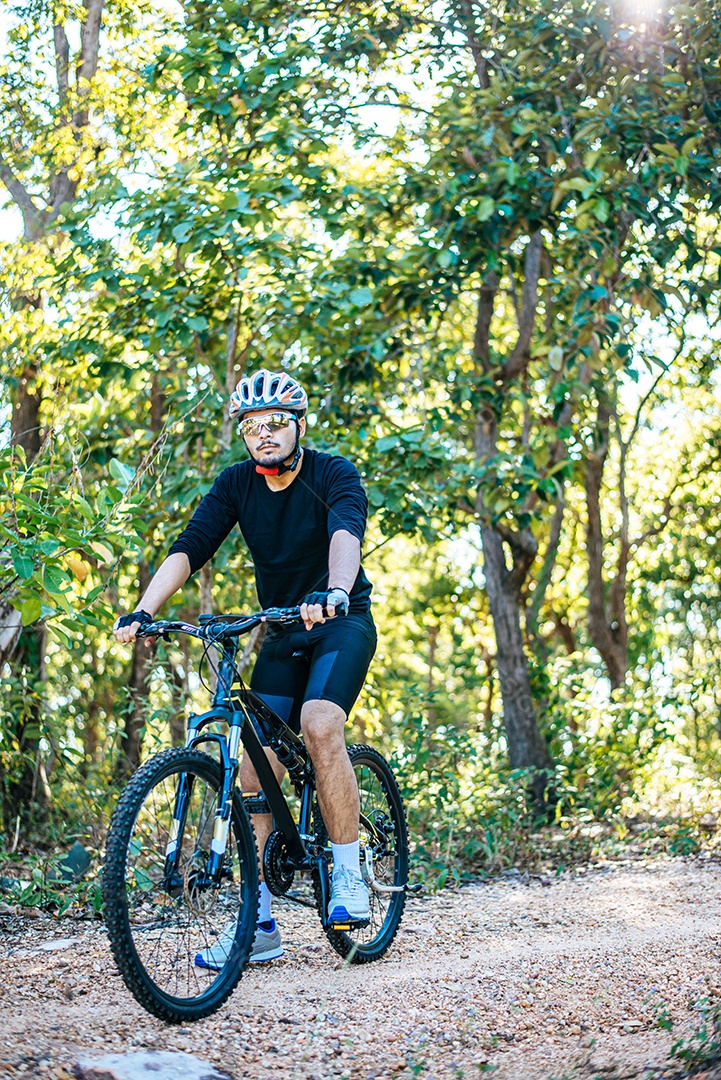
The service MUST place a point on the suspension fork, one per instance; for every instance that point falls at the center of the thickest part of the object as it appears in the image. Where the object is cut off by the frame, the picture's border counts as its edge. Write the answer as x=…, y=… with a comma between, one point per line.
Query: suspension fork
x=221, y=824
x=177, y=827
x=229, y=759
x=228, y=749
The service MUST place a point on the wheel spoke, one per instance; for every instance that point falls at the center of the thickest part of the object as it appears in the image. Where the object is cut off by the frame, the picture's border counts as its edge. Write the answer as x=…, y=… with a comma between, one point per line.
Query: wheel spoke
x=158, y=925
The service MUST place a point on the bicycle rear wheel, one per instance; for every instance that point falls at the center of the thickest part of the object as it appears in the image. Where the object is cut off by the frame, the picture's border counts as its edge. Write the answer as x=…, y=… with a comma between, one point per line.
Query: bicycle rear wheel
x=383, y=833
x=157, y=920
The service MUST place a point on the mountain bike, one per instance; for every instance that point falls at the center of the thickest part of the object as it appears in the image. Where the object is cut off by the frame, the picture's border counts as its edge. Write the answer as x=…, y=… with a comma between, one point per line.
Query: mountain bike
x=181, y=861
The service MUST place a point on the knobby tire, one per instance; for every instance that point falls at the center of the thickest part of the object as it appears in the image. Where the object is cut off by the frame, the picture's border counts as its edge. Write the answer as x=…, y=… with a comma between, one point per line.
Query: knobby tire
x=240, y=897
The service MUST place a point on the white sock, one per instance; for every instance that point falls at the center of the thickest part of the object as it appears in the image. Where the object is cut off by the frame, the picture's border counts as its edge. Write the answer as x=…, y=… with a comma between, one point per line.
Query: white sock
x=265, y=897
x=347, y=855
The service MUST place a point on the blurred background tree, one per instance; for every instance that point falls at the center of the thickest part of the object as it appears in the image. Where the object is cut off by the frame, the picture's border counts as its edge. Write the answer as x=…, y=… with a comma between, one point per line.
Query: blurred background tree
x=487, y=239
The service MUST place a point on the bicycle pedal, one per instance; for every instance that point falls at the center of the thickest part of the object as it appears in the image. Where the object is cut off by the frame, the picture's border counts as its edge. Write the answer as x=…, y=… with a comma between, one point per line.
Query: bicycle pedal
x=356, y=924
x=256, y=804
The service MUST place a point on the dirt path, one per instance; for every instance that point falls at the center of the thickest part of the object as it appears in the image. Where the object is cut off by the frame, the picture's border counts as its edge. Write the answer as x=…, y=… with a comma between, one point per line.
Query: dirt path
x=528, y=980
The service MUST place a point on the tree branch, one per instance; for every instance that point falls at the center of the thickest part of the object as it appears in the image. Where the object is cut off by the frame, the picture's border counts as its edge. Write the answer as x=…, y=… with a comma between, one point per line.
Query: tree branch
x=88, y=65
x=32, y=217
x=520, y=357
x=62, y=61
x=594, y=535
x=486, y=297
x=464, y=13
x=89, y=44
x=484, y=439
x=549, y=562
x=647, y=397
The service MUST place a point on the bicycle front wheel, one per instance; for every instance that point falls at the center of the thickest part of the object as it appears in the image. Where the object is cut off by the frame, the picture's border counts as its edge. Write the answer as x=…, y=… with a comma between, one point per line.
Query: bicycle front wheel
x=162, y=909
x=383, y=837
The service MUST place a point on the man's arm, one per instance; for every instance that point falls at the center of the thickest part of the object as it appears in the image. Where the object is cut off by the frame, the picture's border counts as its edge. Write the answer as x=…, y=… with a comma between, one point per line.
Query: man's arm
x=343, y=566
x=343, y=560
x=170, y=577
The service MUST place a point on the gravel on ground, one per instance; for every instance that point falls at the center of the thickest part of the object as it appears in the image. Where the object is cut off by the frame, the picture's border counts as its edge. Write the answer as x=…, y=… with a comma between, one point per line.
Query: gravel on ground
x=591, y=974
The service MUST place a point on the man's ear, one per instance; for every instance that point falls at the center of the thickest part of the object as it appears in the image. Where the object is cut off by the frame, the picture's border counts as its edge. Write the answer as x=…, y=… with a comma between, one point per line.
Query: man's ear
x=301, y=427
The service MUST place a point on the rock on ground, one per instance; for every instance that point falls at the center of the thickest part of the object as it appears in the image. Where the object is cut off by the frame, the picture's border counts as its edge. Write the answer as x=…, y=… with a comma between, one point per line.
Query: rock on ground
x=595, y=974
x=147, y=1065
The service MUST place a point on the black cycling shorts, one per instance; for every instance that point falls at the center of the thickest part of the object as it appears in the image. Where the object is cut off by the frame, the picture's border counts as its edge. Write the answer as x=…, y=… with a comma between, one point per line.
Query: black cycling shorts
x=329, y=662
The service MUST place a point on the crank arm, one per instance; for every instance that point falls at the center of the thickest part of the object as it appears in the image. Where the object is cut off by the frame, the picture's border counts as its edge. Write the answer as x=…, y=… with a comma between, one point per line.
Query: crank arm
x=370, y=879
x=377, y=887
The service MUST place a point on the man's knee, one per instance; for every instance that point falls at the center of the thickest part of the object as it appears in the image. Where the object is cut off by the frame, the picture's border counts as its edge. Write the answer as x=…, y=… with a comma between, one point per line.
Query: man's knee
x=322, y=722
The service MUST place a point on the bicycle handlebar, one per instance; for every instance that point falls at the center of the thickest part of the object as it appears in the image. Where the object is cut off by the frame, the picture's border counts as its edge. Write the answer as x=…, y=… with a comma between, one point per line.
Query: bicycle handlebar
x=222, y=626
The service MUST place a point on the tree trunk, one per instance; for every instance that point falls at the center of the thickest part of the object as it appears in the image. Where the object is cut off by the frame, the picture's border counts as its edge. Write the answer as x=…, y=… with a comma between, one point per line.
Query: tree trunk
x=432, y=646
x=23, y=797
x=25, y=649
x=180, y=691
x=607, y=626
x=527, y=748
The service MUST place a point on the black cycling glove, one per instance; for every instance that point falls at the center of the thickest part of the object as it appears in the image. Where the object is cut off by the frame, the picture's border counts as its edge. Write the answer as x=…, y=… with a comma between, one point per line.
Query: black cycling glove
x=138, y=616
x=337, y=598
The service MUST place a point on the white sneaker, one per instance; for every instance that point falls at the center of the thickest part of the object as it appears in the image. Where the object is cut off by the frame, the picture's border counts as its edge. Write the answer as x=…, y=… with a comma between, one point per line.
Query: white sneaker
x=217, y=955
x=349, y=897
x=266, y=946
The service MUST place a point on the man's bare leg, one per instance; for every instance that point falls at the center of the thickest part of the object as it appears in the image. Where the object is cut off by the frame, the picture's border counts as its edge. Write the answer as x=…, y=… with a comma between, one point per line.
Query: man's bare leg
x=323, y=726
x=249, y=783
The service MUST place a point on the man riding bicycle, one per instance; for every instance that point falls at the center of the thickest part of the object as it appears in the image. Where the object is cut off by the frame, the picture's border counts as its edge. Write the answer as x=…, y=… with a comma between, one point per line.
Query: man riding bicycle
x=302, y=514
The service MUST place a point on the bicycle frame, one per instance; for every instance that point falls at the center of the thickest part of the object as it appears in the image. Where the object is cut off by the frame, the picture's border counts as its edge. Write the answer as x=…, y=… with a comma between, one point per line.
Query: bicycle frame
x=238, y=709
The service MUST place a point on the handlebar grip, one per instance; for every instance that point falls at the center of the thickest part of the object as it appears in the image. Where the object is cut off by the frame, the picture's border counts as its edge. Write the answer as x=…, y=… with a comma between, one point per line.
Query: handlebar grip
x=340, y=609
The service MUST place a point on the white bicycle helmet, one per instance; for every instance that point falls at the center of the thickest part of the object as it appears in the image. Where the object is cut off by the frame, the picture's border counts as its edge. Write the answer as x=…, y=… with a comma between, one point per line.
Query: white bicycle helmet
x=267, y=390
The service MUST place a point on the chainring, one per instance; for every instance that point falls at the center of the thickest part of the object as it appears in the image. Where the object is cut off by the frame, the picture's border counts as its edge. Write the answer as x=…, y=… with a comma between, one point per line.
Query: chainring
x=276, y=871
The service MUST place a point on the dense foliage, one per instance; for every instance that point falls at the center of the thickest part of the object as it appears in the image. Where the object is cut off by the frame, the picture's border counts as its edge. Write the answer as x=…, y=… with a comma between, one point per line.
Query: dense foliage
x=487, y=239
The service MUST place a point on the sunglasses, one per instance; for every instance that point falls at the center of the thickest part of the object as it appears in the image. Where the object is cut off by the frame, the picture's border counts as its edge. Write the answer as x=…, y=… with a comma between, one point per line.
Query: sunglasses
x=274, y=421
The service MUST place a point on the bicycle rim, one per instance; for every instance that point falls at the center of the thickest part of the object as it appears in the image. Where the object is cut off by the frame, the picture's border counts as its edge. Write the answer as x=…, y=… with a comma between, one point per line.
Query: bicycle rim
x=159, y=924
x=382, y=832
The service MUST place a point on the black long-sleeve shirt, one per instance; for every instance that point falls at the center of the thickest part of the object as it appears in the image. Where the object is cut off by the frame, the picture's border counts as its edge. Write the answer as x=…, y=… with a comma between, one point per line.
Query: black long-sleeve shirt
x=288, y=532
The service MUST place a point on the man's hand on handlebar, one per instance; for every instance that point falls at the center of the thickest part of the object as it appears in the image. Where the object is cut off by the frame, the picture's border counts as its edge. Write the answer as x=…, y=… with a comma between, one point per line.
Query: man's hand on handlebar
x=318, y=606
x=126, y=626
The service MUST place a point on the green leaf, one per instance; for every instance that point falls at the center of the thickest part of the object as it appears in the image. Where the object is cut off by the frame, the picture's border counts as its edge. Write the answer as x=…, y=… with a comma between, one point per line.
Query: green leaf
x=601, y=210
x=361, y=297
x=182, y=232
x=486, y=206
x=85, y=508
x=24, y=565
x=54, y=578
x=31, y=610
x=49, y=547
x=122, y=473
